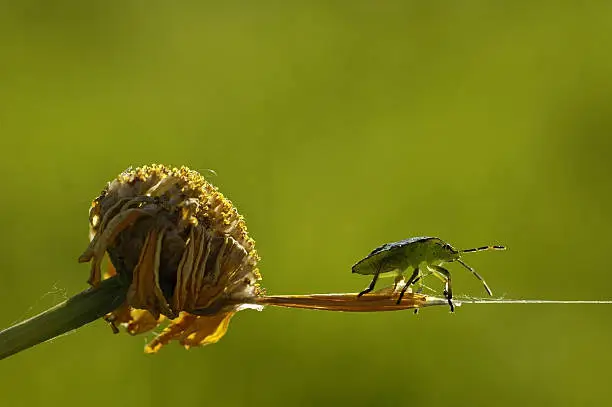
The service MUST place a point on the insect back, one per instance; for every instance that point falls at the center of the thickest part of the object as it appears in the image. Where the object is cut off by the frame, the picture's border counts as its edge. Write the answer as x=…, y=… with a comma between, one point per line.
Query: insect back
x=395, y=257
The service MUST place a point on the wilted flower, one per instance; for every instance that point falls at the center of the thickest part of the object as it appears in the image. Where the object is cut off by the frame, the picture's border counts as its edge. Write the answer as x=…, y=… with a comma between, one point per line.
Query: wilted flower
x=186, y=247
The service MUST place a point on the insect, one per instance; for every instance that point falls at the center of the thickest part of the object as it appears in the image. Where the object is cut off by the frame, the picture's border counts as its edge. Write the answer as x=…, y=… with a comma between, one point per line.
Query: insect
x=421, y=254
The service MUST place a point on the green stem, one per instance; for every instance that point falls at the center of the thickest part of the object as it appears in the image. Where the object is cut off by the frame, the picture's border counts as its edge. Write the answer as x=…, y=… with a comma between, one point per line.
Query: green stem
x=73, y=313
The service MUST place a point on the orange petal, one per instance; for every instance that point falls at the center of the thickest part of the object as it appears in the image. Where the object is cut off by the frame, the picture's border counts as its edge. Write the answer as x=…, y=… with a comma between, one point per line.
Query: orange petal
x=135, y=320
x=142, y=321
x=192, y=330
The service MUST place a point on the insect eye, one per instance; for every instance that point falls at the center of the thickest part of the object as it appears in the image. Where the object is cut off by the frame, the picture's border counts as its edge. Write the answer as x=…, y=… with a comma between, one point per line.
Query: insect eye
x=449, y=248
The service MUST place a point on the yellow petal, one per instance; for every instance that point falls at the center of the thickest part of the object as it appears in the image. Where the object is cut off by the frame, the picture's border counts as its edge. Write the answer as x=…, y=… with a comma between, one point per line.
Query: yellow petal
x=136, y=321
x=192, y=330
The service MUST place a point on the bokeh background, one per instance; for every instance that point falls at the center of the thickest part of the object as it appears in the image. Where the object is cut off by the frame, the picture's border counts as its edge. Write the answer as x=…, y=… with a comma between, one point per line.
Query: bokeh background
x=334, y=127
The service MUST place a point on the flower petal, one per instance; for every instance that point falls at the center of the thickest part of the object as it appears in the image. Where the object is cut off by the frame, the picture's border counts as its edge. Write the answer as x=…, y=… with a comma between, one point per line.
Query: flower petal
x=192, y=330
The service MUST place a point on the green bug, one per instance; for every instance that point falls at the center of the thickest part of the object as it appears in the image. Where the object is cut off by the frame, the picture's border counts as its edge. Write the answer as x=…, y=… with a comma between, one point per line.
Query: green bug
x=419, y=253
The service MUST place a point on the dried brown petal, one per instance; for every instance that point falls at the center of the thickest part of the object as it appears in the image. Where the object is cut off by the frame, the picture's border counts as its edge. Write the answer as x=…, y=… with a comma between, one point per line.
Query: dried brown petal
x=145, y=292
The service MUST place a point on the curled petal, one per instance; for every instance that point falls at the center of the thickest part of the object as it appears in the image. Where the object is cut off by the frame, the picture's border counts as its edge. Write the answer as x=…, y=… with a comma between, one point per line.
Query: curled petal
x=144, y=292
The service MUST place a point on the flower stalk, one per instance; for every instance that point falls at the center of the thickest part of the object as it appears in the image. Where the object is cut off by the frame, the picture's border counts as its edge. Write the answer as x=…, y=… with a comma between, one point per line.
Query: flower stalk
x=98, y=301
x=71, y=314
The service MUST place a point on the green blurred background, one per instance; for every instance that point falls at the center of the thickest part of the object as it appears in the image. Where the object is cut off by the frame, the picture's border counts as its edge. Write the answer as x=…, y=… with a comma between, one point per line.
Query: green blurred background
x=334, y=127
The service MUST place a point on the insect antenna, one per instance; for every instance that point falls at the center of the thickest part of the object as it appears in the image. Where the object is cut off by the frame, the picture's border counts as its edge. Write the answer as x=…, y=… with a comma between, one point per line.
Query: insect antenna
x=478, y=276
x=482, y=249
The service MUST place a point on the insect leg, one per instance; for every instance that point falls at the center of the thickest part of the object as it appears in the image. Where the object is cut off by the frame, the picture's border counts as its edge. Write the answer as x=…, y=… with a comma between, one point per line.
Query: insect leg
x=371, y=286
x=419, y=290
x=448, y=289
x=412, y=279
x=372, y=283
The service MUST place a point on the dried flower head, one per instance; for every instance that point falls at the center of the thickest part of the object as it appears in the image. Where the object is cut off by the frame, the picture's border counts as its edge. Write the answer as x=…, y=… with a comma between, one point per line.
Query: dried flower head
x=184, y=248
